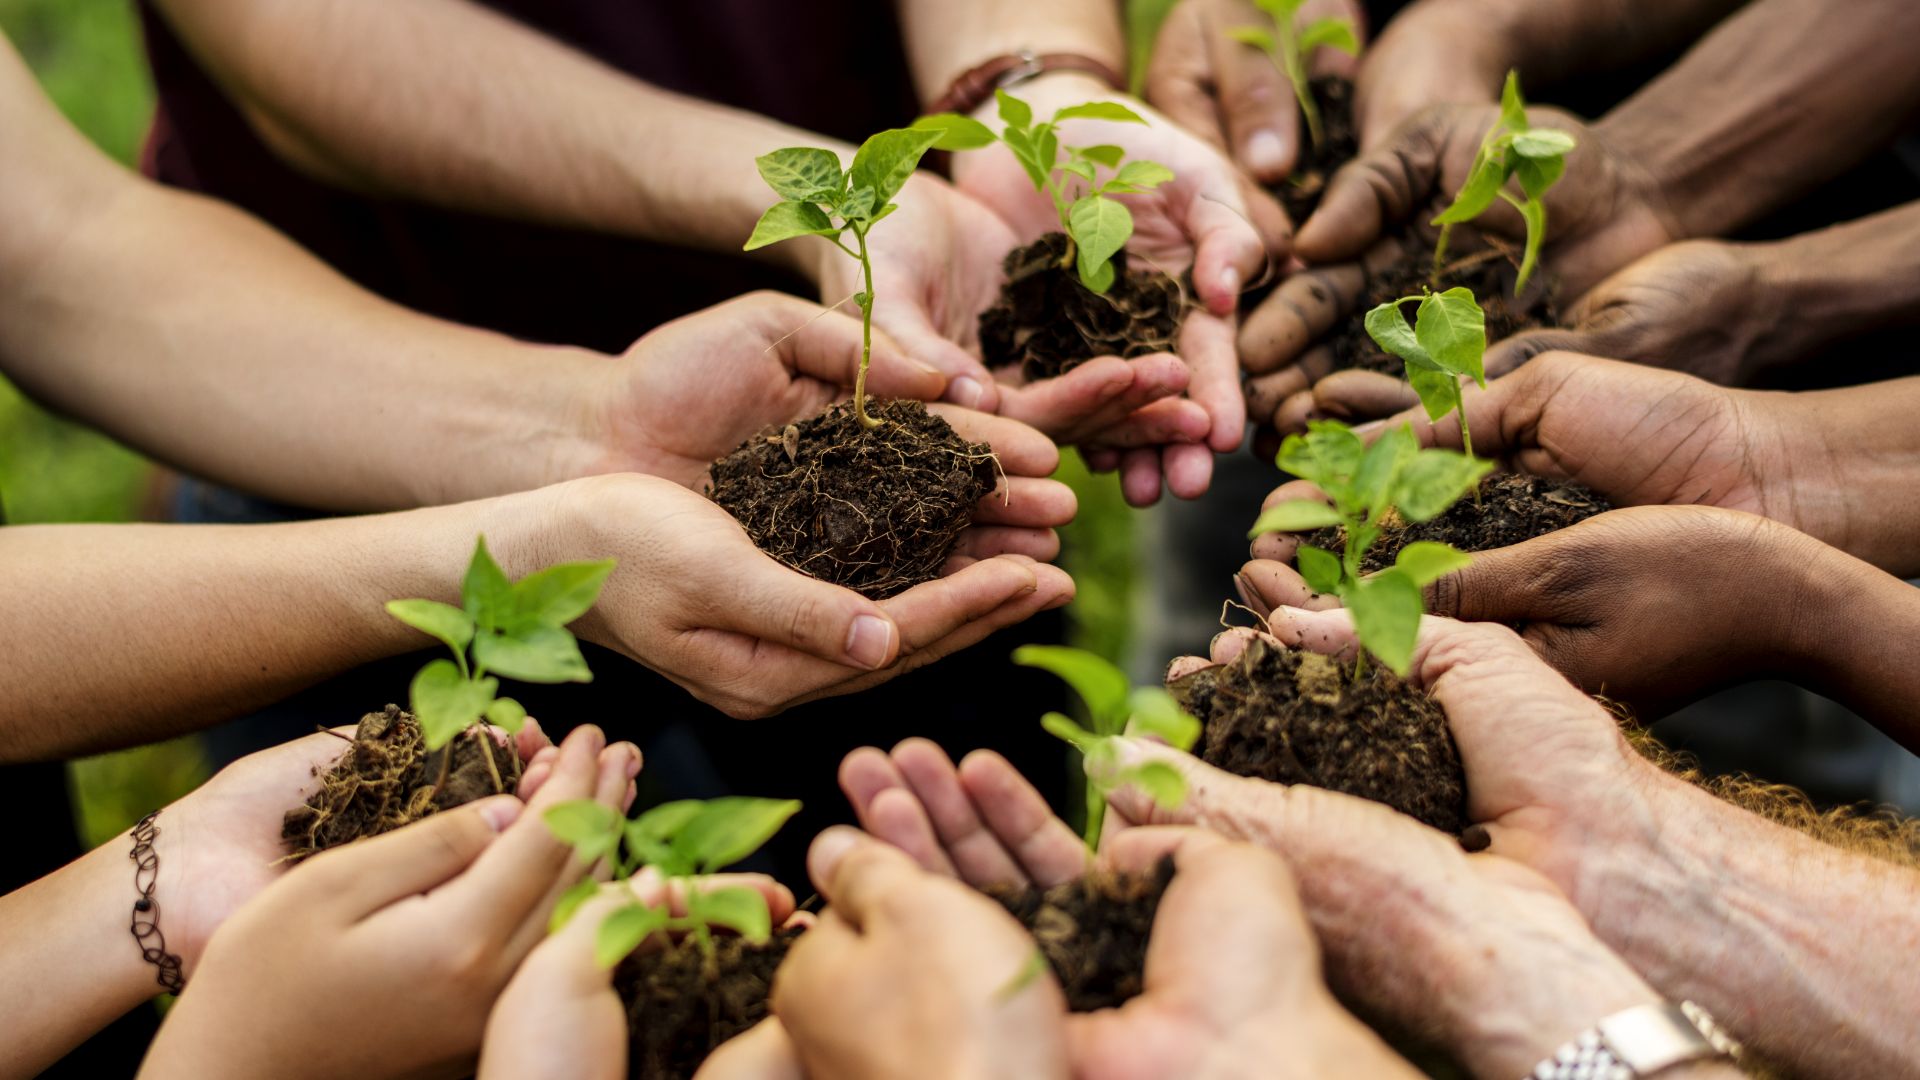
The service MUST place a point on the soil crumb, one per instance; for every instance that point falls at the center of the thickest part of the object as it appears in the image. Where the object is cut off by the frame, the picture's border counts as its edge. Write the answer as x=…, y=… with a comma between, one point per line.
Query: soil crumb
x=1300, y=192
x=1093, y=931
x=1489, y=273
x=1513, y=507
x=875, y=511
x=1048, y=323
x=679, y=1010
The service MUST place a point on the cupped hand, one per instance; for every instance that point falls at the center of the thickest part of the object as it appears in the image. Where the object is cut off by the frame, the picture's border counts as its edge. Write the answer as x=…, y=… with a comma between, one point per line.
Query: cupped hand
x=1437, y=52
x=1231, y=93
x=383, y=957
x=692, y=597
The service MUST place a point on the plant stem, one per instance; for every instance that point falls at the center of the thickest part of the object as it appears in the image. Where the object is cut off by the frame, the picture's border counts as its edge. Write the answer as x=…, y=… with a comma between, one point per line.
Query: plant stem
x=480, y=736
x=866, y=337
x=1440, y=252
x=1295, y=66
x=1096, y=814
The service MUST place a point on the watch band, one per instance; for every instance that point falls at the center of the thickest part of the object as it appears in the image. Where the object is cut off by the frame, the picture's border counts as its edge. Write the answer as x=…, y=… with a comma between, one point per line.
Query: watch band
x=972, y=89
x=1640, y=1042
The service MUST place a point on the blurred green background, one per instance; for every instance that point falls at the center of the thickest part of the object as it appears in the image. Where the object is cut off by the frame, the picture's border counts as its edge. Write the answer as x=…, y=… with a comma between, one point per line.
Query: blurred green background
x=87, y=55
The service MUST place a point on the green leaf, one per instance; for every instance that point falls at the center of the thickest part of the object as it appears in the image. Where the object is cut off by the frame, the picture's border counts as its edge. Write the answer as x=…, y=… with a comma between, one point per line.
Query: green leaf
x=624, y=930
x=784, y=221
x=1067, y=730
x=1295, y=515
x=956, y=132
x=858, y=205
x=1100, y=227
x=1101, y=685
x=1100, y=280
x=1387, y=326
x=543, y=654
x=486, y=594
x=1104, y=154
x=1334, y=34
x=1100, y=761
x=1513, y=107
x=1328, y=454
x=1254, y=36
x=1143, y=174
x=1535, y=213
x=446, y=703
x=560, y=594
x=1453, y=332
x=1282, y=11
x=799, y=173
x=1435, y=480
x=1386, y=617
x=444, y=621
x=665, y=821
x=740, y=909
x=1424, y=561
x=1153, y=711
x=1321, y=570
x=1025, y=153
x=1537, y=176
x=1439, y=390
x=570, y=902
x=1099, y=110
x=1013, y=111
x=1161, y=782
x=590, y=828
x=507, y=714
x=730, y=829
x=1542, y=144
x=1373, y=481
x=885, y=160
x=1478, y=193
x=1082, y=169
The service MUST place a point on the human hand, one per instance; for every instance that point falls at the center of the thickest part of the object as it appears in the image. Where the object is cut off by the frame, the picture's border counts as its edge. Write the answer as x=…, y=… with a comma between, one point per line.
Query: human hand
x=1433, y=52
x=403, y=940
x=692, y=597
x=1230, y=93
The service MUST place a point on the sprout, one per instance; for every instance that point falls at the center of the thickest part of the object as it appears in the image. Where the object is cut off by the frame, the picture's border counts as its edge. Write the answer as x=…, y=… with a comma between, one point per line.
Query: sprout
x=1512, y=147
x=1290, y=50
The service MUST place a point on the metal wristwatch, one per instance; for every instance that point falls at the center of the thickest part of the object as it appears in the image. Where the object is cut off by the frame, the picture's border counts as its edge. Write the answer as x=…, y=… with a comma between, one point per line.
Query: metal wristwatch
x=1640, y=1042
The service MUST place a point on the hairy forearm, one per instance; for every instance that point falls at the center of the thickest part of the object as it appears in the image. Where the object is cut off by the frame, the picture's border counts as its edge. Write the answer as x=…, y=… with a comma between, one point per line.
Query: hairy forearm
x=946, y=39
x=1802, y=949
x=499, y=119
x=122, y=634
x=1844, y=280
x=1781, y=97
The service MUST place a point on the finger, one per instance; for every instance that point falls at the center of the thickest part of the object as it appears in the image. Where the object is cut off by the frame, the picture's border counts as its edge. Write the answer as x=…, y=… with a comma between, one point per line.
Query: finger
x=1228, y=251
x=1268, y=395
x=1140, y=476
x=1268, y=584
x=1281, y=546
x=914, y=343
x=648, y=887
x=1024, y=502
x=1501, y=585
x=1188, y=469
x=1356, y=396
x=1022, y=451
x=1047, y=850
x=975, y=851
x=1295, y=413
x=826, y=345
x=774, y=603
x=1161, y=423
x=863, y=879
x=763, y=1052
x=361, y=878
x=1300, y=311
x=1228, y=644
x=1257, y=104
x=1246, y=894
x=1100, y=459
x=1510, y=353
x=1207, y=344
x=530, y=740
x=1094, y=395
x=1183, y=666
x=898, y=818
x=984, y=542
x=1139, y=849
x=1214, y=799
x=1381, y=187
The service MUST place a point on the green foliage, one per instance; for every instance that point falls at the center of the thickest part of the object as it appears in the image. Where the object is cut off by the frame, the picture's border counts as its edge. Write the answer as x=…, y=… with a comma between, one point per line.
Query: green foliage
x=1112, y=704
x=1447, y=341
x=1290, y=49
x=1511, y=148
x=1098, y=225
x=1364, y=485
x=517, y=629
x=685, y=842
x=1144, y=19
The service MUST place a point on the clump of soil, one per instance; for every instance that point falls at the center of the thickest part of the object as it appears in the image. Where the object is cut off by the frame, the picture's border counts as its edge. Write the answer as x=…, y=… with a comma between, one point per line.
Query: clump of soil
x=679, y=1010
x=1297, y=717
x=1093, y=931
x=1300, y=192
x=387, y=779
x=1048, y=323
x=1489, y=273
x=875, y=511
x=1512, y=508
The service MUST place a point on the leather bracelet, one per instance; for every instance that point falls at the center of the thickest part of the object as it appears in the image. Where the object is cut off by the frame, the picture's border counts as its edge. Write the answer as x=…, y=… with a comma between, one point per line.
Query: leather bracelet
x=146, y=911
x=972, y=89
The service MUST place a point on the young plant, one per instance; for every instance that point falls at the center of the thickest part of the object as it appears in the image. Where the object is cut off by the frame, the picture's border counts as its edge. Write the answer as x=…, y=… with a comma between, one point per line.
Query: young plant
x=1290, y=48
x=1448, y=339
x=1512, y=147
x=516, y=629
x=684, y=842
x=1096, y=225
x=818, y=199
x=1111, y=703
x=1367, y=486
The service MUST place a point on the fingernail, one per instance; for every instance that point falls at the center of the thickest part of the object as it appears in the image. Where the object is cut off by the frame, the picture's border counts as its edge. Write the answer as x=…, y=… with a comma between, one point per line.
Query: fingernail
x=869, y=641
x=500, y=813
x=966, y=392
x=1128, y=750
x=830, y=847
x=1266, y=153
x=633, y=760
x=1230, y=281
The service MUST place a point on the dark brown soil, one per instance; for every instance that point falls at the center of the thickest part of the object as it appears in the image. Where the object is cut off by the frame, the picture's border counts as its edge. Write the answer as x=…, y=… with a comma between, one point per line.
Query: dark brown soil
x=875, y=511
x=1048, y=323
x=1093, y=931
x=1513, y=507
x=1300, y=192
x=386, y=780
x=1298, y=717
x=679, y=1011
x=1490, y=274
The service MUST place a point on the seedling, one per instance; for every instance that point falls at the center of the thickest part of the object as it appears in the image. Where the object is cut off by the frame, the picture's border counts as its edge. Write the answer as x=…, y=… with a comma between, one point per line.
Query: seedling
x=1290, y=48
x=1096, y=225
x=1368, y=486
x=1512, y=147
x=1111, y=703
x=684, y=841
x=1448, y=339
x=516, y=629
x=818, y=199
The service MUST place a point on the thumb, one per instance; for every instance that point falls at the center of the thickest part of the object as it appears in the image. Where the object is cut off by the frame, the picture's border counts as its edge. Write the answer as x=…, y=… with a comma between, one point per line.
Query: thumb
x=1214, y=798
x=1380, y=187
x=763, y=1052
x=1261, y=118
x=968, y=385
x=366, y=876
x=827, y=347
x=778, y=604
x=1357, y=395
x=1502, y=585
x=1228, y=252
x=1510, y=353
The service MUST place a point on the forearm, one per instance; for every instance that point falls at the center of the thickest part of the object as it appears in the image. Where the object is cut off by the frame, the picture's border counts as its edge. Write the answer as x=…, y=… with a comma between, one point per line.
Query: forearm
x=71, y=966
x=1781, y=97
x=499, y=120
x=1841, y=281
x=1551, y=40
x=1802, y=949
x=1853, y=639
x=945, y=39
x=122, y=634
